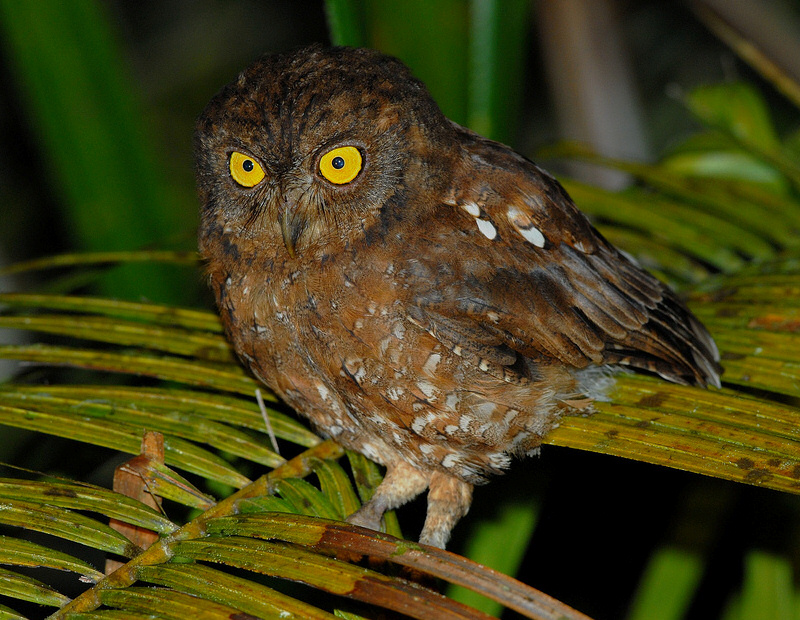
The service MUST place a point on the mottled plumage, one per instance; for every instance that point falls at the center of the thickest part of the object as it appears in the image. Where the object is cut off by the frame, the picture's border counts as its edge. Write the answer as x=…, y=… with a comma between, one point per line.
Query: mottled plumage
x=428, y=297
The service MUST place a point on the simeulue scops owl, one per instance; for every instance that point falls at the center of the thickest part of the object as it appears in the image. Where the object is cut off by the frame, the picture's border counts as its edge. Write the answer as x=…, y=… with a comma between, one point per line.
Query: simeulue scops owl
x=421, y=294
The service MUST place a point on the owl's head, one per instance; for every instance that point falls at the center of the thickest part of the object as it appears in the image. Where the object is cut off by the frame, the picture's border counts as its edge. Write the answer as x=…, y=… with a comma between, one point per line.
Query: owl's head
x=304, y=151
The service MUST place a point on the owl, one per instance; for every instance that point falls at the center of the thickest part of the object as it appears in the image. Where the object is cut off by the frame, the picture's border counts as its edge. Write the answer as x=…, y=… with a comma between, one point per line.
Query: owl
x=423, y=295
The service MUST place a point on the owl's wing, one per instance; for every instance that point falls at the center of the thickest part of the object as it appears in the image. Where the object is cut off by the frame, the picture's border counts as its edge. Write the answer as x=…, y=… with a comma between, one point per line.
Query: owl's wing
x=511, y=273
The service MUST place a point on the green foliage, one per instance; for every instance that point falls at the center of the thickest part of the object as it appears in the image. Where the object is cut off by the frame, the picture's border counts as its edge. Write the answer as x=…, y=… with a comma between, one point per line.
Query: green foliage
x=478, y=47
x=89, y=121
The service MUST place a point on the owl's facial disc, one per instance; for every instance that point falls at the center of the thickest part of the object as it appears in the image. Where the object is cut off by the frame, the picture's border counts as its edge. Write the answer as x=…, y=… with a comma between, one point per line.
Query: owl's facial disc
x=338, y=166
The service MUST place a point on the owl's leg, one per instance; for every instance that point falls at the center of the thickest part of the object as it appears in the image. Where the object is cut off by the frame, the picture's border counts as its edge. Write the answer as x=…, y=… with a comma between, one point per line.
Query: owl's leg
x=448, y=500
x=401, y=484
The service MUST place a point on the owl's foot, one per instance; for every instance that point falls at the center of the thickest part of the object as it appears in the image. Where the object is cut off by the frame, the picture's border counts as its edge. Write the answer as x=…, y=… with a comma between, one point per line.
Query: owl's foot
x=401, y=484
x=448, y=500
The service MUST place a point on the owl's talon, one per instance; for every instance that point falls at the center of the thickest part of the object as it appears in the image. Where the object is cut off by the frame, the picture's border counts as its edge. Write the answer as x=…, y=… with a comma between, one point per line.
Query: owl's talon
x=448, y=500
x=367, y=516
x=401, y=484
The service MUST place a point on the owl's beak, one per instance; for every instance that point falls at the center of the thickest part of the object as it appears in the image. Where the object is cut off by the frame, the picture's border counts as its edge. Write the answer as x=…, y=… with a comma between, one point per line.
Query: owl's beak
x=288, y=231
x=290, y=218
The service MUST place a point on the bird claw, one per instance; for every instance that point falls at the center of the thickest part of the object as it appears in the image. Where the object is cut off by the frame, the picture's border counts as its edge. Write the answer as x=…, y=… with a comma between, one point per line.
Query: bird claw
x=367, y=516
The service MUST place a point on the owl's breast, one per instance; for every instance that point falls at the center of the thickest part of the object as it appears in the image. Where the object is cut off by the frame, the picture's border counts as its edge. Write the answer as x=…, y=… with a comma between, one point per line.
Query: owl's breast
x=338, y=344
x=406, y=390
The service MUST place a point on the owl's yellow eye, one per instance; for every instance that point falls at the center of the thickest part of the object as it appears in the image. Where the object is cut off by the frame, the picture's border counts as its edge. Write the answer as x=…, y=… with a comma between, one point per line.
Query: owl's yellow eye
x=245, y=170
x=341, y=165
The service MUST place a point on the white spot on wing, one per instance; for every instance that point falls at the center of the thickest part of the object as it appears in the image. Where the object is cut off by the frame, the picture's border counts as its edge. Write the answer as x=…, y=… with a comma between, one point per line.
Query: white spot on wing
x=487, y=228
x=524, y=225
x=471, y=208
x=532, y=235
